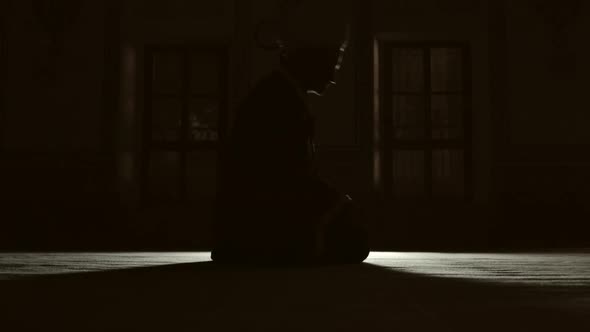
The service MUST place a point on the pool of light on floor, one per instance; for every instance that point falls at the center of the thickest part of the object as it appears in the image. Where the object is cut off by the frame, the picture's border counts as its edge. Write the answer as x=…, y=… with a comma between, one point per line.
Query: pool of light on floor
x=550, y=269
x=554, y=269
x=15, y=264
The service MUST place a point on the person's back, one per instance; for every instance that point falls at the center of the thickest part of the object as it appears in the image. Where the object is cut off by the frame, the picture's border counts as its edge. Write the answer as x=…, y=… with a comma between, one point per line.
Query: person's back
x=269, y=174
x=271, y=135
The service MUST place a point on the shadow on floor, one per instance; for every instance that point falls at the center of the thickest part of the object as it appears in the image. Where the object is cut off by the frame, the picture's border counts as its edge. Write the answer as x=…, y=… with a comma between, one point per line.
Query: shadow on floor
x=211, y=297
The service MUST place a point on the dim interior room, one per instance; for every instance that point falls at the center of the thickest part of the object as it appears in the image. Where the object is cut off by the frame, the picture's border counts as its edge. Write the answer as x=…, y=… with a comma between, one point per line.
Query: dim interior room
x=460, y=128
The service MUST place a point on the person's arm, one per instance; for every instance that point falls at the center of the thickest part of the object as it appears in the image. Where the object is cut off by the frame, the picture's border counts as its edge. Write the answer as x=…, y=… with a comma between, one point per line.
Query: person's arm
x=325, y=220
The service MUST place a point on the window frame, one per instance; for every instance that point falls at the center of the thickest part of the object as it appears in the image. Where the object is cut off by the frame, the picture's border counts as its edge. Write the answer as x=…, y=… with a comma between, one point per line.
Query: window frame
x=389, y=144
x=183, y=145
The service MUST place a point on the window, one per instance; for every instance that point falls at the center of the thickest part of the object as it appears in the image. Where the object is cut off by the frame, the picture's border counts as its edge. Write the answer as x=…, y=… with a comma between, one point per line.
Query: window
x=184, y=122
x=425, y=120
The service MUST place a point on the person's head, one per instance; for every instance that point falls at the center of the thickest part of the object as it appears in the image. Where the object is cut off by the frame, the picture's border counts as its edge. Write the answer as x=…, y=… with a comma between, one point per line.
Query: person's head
x=313, y=38
x=314, y=68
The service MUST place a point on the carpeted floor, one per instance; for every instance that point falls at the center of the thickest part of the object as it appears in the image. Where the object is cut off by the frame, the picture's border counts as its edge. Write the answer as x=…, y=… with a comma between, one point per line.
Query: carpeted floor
x=390, y=292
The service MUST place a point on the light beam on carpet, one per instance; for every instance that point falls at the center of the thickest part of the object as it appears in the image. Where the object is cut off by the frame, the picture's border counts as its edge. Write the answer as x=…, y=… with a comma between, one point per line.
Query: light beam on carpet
x=547, y=269
x=22, y=264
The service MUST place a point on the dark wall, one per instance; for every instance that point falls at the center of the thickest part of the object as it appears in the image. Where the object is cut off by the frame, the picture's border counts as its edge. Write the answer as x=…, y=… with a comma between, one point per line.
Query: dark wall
x=72, y=106
x=450, y=224
x=543, y=138
x=53, y=161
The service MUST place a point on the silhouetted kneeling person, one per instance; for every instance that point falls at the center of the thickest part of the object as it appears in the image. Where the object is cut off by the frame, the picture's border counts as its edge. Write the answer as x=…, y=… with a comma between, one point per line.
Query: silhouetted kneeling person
x=272, y=206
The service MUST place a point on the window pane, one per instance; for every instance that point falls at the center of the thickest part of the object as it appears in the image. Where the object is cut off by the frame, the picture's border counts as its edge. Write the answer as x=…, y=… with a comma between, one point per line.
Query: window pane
x=408, y=117
x=167, y=76
x=203, y=116
x=408, y=70
x=447, y=69
x=166, y=115
x=447, y=116
x=163, y=176
x=448, y=173
x=408, y=173
x=202, y=175
x=204, y=74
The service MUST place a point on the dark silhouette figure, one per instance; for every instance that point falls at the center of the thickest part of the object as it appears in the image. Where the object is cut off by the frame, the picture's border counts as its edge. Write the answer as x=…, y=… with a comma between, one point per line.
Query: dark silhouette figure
x=273, y=207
